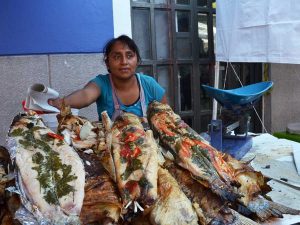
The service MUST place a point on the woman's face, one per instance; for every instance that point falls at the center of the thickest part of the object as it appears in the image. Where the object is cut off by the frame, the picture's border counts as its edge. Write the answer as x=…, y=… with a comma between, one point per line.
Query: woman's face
x=122, y=61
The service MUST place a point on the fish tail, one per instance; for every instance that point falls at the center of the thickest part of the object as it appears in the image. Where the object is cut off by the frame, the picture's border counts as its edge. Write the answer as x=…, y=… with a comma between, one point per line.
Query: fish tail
x=241, y=220
x=231, y=217
x=226, y=192
x=264, y=209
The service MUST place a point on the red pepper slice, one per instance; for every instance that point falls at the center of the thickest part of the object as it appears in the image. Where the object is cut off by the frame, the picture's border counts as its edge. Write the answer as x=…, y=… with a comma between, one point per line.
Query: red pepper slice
x=53, y=135
x=125, y=152
x=185, y=149
x=77, y=138
x=131, y=137
x=131, y=186
x=136, y=152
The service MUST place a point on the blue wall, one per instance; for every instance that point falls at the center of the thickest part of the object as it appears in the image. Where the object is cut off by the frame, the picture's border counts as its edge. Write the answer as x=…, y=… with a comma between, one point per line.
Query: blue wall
x=48, y=26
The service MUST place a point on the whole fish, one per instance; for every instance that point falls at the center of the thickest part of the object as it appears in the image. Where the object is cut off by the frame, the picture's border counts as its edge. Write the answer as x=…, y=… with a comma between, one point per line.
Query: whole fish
x=205, y=165
x=51, y=175
x=251, y=185
x=86, y=136
x=134, y=153
x=101, y=202
x=208, y=206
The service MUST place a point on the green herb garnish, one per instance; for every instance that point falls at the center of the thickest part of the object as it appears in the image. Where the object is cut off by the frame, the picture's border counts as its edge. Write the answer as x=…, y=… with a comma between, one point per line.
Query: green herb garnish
x=17, y=132
x=53, y=176
x=134, y=165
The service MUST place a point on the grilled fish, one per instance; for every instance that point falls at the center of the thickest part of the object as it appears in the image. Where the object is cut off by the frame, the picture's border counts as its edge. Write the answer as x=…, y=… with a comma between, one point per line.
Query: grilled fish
x=251, y=185
x=253, y=188
x=101, y=202
x=208, y=206
x=173, y=207
x=205, y=164
x=88, y=137
x=134, y=153
x=51, y=175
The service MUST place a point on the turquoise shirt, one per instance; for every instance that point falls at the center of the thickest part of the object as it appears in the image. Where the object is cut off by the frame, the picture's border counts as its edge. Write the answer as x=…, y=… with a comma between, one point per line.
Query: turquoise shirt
x=152, y=90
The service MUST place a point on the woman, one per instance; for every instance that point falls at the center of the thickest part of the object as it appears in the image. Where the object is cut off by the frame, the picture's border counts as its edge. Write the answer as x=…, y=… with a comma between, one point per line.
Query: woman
x=122, y=89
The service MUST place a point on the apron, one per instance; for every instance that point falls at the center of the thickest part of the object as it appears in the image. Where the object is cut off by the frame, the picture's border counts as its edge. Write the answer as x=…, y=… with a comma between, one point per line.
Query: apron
x=118, y=110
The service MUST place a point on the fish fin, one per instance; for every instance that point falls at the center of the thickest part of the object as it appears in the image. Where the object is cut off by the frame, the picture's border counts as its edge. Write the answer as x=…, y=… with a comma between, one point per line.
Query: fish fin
x=242, y=220
x=111, y=163
x=106, y=121
x=108, y=161
x=264, y=209
x=106, y=157
x=283, y=209
x=250, y=160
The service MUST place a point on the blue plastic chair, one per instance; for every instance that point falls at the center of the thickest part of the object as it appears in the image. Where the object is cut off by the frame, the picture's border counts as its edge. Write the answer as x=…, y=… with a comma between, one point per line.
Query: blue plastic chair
x=235, y=99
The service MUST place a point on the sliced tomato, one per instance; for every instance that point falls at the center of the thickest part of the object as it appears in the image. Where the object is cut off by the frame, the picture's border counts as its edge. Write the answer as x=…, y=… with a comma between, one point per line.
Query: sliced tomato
x=185, y=149
x=136, y=152
x=166, y=130
x=56, y=136
x=202, y=144
x=77, y=138
x=131, y=186
x=125, y=152
x=130, y=137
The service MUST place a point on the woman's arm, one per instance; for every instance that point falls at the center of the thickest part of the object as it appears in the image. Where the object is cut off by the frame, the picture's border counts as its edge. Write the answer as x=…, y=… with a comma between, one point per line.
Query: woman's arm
x=164, y=100
x=80, y=98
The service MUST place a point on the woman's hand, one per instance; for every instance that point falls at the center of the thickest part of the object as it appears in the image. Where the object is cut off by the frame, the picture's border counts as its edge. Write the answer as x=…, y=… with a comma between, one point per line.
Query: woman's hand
x=164, y=100
x=57, y=102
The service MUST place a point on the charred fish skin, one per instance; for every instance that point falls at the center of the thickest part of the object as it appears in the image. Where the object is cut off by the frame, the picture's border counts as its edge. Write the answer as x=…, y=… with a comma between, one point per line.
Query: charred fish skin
x=102, y=200
x=51, y=171
x=262, y=209
x=227, y=177
x=189, y=155
x=135, y=159
x=254, y=188
x=9, y=203
x=198, y=194
x=209, y=207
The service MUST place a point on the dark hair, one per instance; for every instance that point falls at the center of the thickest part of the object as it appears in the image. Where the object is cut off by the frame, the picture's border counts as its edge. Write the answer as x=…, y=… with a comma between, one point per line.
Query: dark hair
x=125, y=40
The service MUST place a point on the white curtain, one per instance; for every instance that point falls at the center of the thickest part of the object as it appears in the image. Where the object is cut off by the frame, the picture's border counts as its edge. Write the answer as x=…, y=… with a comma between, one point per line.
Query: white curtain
x=258, y=31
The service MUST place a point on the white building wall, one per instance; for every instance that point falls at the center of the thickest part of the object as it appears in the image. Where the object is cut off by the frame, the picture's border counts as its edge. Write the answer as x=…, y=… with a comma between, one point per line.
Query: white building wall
x=284, y=101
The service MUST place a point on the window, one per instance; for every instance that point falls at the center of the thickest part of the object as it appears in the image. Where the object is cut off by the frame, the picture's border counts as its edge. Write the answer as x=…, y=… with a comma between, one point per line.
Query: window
x=176, y=40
